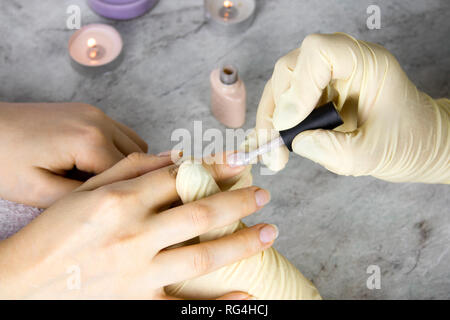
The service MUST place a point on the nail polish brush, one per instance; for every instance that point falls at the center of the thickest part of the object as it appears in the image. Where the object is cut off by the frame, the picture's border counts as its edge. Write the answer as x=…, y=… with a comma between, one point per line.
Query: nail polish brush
x=323, y=117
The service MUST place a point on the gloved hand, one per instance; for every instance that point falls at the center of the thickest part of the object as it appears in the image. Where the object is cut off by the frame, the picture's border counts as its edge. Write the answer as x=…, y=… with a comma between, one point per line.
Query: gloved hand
x=391, y=130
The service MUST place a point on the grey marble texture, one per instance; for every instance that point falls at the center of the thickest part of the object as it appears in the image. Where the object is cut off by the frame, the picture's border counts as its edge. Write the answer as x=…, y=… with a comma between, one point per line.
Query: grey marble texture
x=331, y=227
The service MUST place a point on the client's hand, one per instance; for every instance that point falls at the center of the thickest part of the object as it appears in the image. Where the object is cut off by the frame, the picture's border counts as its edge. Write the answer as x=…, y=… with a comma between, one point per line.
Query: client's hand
x=39, y=143
x=108, y=238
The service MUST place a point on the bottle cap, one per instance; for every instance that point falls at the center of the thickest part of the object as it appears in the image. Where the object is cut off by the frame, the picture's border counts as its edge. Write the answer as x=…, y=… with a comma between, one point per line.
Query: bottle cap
x=228, y=74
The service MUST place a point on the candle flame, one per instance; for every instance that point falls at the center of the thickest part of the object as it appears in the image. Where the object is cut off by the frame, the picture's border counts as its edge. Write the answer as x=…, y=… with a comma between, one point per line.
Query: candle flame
x=227, y=4
x=93, y=54
x=91, y=42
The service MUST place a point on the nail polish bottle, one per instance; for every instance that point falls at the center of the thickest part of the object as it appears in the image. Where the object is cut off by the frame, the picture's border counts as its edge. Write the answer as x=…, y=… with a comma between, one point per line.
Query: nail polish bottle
x=228, y=96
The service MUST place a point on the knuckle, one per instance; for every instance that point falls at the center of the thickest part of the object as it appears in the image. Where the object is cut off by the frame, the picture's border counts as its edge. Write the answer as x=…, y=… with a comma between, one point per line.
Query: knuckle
x=246, y=200
x=136, y=157
x=202, y=260
x=282, y=64
x=112, y=197
x=93, y=135
x=312, y=41
x=91, y=111
x=199, y=217
x=247, y=240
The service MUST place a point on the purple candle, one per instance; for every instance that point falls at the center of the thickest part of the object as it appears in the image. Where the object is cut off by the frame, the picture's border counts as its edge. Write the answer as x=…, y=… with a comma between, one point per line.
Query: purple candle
x=121, y=9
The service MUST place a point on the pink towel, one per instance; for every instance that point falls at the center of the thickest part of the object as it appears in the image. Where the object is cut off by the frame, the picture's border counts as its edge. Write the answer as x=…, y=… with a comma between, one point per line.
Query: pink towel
x=15, y=216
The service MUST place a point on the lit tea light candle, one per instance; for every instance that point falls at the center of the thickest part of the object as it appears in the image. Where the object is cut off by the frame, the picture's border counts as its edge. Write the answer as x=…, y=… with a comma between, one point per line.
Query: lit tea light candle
x=230, y=16
x=228, y=11
x=95, y=52
x=96, y=46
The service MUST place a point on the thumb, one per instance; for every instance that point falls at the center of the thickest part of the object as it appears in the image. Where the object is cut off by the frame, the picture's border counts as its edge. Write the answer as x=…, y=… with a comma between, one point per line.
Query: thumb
x=332, y=149
x=322, y=58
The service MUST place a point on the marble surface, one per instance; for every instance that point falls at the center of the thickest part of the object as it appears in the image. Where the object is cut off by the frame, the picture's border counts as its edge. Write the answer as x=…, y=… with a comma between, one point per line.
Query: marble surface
x=332, y=228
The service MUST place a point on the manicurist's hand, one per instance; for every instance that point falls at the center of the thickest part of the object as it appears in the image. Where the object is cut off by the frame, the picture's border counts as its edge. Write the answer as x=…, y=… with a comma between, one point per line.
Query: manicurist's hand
x=391, y=131
x=40, y=142
x=107, y=239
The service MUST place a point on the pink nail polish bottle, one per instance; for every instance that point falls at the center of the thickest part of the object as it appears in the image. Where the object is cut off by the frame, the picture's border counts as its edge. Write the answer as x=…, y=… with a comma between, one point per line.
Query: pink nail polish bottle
x=228, y=96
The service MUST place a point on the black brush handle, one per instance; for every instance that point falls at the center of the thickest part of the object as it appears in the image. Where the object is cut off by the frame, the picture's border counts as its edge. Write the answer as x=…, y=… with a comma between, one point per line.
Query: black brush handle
x=323, y=117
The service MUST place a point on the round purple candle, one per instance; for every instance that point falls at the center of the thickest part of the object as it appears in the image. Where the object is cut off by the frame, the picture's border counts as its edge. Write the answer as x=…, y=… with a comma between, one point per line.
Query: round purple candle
x=121, y=9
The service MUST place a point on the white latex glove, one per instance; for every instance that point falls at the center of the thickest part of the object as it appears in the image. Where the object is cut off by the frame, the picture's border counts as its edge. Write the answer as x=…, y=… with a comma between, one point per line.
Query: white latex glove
x=391, y=130
x=265, y=275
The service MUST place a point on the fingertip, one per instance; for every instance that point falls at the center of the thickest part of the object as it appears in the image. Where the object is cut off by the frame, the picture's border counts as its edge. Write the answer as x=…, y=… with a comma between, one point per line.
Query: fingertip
x=219, y=167
x=268, y=233
x=287, y=112
x=262, y=197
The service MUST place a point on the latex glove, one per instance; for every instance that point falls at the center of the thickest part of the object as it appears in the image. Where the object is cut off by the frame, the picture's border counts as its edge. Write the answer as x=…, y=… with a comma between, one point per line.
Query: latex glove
x=391, y=130
x=266, y=275
x=112, y=231
x=40, y=142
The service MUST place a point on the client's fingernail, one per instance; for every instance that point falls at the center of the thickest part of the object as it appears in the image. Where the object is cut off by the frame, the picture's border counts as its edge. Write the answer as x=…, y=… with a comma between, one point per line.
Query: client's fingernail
x=262, y=197
x=165, y=153
x=268, y=233
x=231, y=160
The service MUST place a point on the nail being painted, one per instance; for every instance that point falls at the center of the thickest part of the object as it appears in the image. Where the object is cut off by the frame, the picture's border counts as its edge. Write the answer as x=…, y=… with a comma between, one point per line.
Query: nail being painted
x=245, y=158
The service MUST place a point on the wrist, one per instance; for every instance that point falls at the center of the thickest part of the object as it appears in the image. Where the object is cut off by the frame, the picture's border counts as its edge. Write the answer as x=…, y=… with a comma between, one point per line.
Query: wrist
x=444, y=116
x=19, y=277
x=436, y=168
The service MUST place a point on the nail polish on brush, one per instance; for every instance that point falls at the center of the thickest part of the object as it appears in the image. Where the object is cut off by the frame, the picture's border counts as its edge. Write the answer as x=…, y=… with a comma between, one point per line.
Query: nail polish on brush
x=324, y=117
x=228, y=96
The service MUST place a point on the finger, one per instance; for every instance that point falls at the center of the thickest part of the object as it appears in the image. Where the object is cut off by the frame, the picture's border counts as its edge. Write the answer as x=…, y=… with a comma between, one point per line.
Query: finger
x=51, y=187
x=282, y=74
x=276, y=159
x=206, y=214
x=332, y=149
x=164, y=183
x=192, y=261
x=134, y=165
x=132, y=135
x=321, y=59
x=218, y=167
x=97, y=160
x=124, y=143
x=157, y=188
